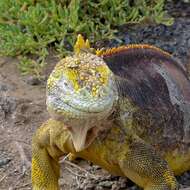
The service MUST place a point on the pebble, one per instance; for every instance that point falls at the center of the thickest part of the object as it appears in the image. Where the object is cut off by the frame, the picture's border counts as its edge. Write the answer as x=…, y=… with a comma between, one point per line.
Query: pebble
x=4, y=161
x=174, y=39
x=32, y=80
x=7, y=106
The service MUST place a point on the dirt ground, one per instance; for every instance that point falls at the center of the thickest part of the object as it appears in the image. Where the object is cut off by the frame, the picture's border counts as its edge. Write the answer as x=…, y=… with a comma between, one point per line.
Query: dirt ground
x=22, y=110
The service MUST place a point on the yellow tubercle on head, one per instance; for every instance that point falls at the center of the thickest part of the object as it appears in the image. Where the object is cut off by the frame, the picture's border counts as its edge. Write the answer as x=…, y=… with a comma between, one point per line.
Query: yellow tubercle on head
x=87, y=43
x=89, y=72
x=81, y=44
x=83, y=70
x=99, y=52
x=54, y=77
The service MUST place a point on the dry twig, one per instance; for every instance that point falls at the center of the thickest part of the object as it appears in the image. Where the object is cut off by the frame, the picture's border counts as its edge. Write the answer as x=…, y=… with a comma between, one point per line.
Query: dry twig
x=24, y=185
x=64, y=160
x=25, y=163
x=6, y=175
x=74, y=173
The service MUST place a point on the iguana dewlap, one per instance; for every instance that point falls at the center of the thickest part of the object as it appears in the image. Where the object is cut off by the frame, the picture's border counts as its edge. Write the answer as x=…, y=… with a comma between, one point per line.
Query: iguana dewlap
x=126, y=109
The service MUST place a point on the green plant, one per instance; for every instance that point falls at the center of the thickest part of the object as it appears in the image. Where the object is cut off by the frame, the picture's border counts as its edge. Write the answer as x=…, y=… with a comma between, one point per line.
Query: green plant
x=30, y=27
x=28, y=65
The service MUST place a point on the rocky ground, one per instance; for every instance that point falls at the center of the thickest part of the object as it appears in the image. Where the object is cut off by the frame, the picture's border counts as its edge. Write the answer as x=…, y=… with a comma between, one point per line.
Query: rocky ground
x=22, y=110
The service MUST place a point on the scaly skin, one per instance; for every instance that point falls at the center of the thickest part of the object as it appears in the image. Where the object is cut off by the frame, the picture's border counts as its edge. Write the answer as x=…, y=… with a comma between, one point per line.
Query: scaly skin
x=126, y=109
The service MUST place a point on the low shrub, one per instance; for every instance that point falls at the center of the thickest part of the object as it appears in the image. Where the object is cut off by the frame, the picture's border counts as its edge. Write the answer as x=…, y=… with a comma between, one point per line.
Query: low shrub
x=31, y=27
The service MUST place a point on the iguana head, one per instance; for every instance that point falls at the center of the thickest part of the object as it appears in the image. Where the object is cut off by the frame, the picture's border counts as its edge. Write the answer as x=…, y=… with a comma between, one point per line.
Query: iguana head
x=81, y=92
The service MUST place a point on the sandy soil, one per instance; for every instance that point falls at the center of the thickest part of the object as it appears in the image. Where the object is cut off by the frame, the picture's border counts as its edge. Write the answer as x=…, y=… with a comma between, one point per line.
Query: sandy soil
x=22, y=110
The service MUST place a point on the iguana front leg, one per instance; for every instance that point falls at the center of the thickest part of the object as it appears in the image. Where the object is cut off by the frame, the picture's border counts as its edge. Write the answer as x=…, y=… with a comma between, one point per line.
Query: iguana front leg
x=45, y=156
x=142, y=164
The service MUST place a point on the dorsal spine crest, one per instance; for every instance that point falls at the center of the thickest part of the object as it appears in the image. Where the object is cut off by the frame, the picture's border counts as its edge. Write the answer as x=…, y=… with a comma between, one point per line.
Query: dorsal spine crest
x=115, y=50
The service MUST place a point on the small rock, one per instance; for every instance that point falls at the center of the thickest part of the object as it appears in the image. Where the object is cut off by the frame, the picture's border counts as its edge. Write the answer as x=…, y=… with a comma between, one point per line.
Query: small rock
x=3, y=87
x=33, y=81
x=122, y=182
x=133, y=188
x=184, y=179
x=95, y=167
x=99, y=188
x=89, y=187
x=115, y=187
x=4, y=161
x=7, y=106
x=107, y=184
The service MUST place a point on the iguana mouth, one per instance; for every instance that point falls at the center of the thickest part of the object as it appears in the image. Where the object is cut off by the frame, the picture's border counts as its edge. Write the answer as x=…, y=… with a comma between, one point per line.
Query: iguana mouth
x=82, y=110
x=76, y=111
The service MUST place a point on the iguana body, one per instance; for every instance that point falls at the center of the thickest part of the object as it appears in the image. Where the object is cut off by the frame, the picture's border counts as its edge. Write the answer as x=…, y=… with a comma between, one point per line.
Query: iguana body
x=126, y=109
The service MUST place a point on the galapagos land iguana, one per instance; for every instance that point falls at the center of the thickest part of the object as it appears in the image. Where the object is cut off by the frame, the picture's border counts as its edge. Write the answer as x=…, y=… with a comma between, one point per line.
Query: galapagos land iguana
x=126, y=109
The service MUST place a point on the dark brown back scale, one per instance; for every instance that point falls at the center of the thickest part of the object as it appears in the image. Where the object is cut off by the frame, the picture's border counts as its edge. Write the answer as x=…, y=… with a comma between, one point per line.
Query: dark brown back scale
x=159, y=87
